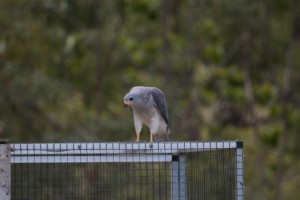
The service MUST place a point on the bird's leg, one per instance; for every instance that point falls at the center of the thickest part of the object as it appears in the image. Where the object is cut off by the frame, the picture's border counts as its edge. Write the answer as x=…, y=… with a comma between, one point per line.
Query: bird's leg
x=137, y=138
x=151, y=139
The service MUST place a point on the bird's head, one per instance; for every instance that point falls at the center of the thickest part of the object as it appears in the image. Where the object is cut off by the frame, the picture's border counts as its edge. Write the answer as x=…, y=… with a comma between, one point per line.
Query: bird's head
x=128, y=101
x=133, y=99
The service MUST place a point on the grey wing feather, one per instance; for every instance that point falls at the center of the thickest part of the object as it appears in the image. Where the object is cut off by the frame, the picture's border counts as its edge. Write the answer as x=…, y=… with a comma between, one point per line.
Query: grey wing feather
x=160, y=101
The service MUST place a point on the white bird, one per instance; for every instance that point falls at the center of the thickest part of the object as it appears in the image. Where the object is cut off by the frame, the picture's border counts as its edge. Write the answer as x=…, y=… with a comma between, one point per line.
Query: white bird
x=149, y=107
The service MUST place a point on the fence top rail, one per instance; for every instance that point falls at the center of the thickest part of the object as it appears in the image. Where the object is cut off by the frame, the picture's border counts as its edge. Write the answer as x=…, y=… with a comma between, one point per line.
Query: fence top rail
x=119, y=148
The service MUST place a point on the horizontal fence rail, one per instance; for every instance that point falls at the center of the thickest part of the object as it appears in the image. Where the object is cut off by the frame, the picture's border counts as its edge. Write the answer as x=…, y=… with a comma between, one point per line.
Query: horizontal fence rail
x=128, y=170
x=109, y=152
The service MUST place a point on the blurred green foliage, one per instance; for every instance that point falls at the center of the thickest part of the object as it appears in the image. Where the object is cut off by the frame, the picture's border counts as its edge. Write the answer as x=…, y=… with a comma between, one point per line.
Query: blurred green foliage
x=229, y=70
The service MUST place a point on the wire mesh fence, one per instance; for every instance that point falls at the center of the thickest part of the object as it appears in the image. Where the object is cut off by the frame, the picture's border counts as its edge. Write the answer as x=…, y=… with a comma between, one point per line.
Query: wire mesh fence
x=172, y=170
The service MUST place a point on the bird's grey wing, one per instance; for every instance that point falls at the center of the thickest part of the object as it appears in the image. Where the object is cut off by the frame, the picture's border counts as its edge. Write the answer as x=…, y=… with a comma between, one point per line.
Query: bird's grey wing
x=160, y=102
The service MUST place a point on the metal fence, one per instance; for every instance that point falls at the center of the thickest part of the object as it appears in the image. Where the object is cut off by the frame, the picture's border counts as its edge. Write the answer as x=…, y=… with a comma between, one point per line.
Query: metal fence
x=171, y=170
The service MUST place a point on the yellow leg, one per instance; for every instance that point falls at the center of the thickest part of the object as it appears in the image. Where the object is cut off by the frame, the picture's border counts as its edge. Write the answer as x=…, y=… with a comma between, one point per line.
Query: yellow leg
x=151, y=137
x=151, y=140
x=137, y=138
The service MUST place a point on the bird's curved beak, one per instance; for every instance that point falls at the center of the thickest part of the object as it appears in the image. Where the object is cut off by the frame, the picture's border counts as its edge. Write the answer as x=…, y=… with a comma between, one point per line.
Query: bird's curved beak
x=125, y=104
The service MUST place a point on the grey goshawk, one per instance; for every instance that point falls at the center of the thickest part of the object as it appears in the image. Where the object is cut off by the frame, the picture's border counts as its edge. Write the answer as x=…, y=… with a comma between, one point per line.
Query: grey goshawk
x=149, y=107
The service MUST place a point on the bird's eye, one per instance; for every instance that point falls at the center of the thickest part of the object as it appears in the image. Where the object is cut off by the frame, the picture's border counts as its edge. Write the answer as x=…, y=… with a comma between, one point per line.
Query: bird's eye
x=131, y=99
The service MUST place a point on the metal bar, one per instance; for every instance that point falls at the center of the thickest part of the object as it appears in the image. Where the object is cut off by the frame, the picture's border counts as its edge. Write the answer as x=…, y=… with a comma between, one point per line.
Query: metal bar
x=5, y=171
x=239, y=172
x=91, y=159
x=178, y=188
x=175, y=178
x=182, y=177
x=118, y=148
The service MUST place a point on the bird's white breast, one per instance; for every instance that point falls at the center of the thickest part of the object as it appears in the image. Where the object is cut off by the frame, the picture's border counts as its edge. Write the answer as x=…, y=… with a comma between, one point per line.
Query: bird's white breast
x=158, y=124
x=153, y=119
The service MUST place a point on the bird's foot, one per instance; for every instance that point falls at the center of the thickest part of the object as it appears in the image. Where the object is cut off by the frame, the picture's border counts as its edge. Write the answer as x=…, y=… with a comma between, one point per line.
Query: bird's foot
x=151, y=145
x=137, y=138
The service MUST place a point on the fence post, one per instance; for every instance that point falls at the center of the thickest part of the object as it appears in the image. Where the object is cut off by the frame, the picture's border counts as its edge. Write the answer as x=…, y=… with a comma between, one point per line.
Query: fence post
x=5, y=183
x=239, y=171
x=178, y=189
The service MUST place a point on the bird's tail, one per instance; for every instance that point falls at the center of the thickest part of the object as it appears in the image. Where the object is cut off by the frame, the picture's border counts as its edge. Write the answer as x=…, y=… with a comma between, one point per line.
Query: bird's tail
x=168, y=134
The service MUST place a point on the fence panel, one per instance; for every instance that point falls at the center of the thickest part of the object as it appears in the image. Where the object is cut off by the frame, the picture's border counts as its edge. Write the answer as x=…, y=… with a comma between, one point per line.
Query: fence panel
x=168, y=170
